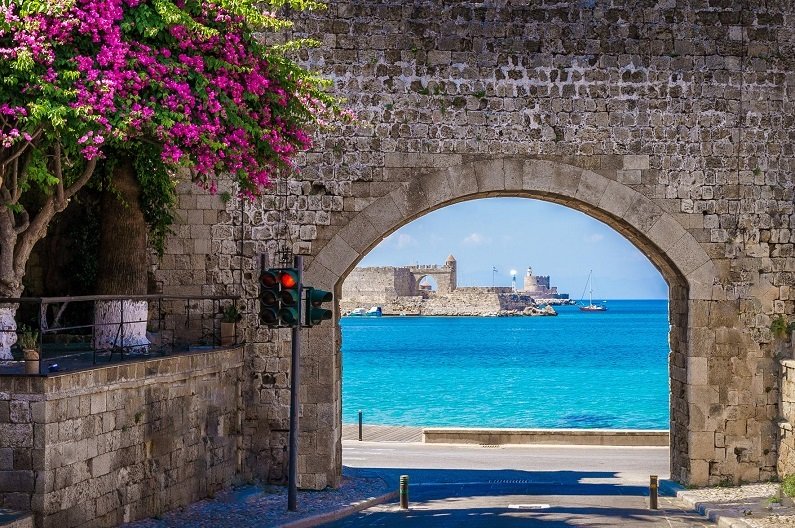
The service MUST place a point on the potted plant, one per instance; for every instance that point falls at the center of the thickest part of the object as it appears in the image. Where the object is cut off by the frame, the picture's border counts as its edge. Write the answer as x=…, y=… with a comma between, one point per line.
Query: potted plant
x=231, y=316
x=29, y=342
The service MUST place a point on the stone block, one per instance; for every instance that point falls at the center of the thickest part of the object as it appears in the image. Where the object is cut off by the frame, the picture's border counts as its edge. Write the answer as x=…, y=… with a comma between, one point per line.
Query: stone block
x=16, y=435
x=435, y=187
x=514, y=174
x=666, y=232
x=461, y=180
x=702, y=445
x=629, y=177
x=337, y=256
x=564, y=180
x=98, y=403
x=537, y=175
x=6, y=458
x=19, y=411
x=688, y=255
x=490, y=175
x=697, y=370
x=591, y=188
x=636, y=162
x=16, y=481
x=617, y=199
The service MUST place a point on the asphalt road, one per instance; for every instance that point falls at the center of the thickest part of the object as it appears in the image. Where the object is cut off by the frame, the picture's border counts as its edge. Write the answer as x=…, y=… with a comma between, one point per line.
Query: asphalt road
x=509, y=486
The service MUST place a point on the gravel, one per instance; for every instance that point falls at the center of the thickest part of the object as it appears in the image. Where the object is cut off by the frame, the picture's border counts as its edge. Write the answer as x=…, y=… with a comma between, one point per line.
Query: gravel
x=754, y=505
x=265, y=506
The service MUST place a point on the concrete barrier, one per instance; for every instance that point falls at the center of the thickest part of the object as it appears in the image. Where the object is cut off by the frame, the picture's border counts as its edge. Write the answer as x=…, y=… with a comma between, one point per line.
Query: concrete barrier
x=603, y=437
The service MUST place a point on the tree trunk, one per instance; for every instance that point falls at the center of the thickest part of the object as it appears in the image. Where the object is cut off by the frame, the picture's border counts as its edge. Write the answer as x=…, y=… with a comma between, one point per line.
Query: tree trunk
x=123, y=263
x=9, y=283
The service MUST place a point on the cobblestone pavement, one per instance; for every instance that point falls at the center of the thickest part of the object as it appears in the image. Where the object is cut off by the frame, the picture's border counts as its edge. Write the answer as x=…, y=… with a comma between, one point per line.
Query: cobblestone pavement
x=753, y=505
x=265, y=506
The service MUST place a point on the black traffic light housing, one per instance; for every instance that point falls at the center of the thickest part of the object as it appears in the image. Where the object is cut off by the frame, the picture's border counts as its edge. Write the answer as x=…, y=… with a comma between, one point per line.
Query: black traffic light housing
x=314, y=313
x=280, y=297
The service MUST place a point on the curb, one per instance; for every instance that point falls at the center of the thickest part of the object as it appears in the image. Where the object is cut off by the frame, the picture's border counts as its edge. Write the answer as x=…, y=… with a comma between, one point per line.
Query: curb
x=322, y=518
x=724, y=517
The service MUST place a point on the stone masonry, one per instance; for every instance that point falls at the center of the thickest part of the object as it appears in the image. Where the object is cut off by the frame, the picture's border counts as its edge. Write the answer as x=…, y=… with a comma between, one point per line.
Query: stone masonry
x=671, y=121
x=122, y=442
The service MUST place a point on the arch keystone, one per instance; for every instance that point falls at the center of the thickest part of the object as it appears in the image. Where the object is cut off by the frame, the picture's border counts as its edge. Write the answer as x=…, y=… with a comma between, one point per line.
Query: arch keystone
x=514, y=174
x=537, y=175
x=490, y=175
x=462, y=181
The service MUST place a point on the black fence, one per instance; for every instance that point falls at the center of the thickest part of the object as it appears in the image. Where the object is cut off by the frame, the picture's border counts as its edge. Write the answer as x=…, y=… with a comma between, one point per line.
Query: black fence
x=58, y=334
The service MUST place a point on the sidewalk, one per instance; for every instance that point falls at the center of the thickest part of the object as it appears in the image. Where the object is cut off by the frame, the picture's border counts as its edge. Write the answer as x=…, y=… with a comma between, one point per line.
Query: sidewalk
x=266, y=506
x=750, y=506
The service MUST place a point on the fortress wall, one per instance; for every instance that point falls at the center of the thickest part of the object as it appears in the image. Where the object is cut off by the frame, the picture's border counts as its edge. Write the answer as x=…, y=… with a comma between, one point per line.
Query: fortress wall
x=669, y=121
x=515, y=301
x=374, y=285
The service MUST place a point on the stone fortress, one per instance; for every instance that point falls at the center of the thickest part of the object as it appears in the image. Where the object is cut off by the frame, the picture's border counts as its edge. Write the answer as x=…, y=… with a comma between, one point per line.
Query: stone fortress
x=404, y=291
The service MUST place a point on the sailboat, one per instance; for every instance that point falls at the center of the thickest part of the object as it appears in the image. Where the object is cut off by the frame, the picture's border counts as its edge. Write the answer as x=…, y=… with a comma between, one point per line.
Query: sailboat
x=591, y=307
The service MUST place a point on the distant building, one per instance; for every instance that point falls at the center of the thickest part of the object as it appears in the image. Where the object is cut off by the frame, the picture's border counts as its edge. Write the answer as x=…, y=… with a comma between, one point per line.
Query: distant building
x=537, y=287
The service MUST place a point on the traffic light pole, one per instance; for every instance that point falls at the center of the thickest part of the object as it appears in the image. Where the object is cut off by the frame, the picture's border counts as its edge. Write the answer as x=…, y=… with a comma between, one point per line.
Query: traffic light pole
x=292, y=478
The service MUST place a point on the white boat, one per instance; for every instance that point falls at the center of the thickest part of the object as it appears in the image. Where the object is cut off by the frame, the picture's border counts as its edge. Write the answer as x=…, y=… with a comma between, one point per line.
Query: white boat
x=375, y=311
x=591, y=307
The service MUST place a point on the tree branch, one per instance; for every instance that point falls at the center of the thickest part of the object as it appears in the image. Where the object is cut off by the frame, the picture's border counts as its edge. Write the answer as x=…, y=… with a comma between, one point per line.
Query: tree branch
x=58, y=169
x=25, y=217
x=76, y=186
x=22, y=148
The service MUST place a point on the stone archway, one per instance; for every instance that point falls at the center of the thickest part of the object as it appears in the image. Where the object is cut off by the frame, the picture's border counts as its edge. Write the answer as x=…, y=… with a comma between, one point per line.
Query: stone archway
x=683, y=262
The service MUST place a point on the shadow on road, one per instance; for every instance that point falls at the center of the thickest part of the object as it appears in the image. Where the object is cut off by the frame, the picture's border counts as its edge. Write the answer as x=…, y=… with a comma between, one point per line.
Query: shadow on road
x=561, y=482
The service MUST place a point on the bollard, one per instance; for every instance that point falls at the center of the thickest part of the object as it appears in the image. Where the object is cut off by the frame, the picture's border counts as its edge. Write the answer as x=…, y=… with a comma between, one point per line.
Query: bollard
x=360, y=426
x=404, y=492
x=653, y=492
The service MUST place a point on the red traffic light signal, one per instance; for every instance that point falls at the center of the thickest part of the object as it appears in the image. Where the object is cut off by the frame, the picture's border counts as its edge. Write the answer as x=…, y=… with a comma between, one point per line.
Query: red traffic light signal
x=288, y=279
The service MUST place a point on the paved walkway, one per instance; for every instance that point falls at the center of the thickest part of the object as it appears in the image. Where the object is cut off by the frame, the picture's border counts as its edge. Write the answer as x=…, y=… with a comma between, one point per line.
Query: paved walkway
x=507, y=486
x=469, y=486
x=382, y=433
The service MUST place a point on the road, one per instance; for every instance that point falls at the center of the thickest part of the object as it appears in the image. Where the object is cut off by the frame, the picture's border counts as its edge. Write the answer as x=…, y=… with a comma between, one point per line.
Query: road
x=508, y=486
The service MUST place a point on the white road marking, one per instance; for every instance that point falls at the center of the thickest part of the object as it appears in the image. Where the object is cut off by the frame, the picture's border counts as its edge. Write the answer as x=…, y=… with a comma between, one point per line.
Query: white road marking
x=528, y=506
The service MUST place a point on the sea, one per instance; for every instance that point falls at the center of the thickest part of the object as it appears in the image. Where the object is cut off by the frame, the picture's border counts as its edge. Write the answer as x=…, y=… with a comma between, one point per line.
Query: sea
x=606, y=370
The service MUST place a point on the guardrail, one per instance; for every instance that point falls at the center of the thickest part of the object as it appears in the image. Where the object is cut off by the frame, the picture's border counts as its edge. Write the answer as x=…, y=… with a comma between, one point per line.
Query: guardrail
x=81, y=332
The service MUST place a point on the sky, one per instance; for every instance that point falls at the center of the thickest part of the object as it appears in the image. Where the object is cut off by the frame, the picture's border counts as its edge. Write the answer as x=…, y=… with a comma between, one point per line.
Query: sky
x=514, y=233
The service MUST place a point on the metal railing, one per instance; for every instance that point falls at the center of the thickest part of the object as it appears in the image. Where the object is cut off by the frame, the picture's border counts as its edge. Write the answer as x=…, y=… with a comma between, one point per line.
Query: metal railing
x=82, y=332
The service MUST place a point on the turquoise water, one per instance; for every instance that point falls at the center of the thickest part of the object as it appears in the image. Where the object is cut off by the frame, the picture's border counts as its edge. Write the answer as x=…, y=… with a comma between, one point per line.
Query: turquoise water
x=577, y=370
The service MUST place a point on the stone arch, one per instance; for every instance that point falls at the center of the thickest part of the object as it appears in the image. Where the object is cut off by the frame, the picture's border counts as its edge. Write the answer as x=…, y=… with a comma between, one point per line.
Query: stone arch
x=432, y=282
x=683, y=262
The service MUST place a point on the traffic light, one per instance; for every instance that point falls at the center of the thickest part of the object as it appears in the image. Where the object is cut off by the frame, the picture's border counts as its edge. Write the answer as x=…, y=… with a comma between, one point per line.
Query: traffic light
x=280, y=297
x=290, y=312
x=314, y=313
x=269, y=293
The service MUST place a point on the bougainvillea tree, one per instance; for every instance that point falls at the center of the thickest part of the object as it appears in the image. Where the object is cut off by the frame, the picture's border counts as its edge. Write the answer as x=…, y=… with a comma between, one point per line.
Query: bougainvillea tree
x=196, y=82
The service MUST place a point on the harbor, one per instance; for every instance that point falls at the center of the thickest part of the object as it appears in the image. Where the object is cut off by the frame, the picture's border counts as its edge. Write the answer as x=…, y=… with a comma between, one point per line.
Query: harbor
x=410, y=291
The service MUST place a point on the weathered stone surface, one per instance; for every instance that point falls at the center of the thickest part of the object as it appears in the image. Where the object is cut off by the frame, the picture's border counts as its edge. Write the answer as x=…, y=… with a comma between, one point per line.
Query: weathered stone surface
x=456, y=98
x=136, y=439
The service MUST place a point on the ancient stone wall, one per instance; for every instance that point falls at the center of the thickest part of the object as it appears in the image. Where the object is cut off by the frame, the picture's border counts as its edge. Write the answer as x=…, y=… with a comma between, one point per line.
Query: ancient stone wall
x=123, y=442
x=786, y=459
x=669, y=120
